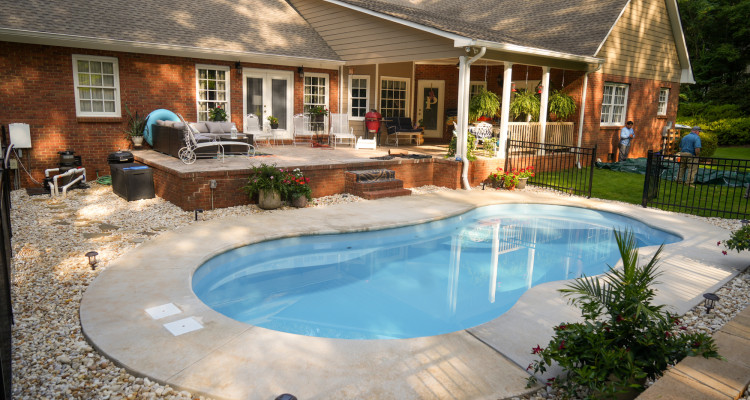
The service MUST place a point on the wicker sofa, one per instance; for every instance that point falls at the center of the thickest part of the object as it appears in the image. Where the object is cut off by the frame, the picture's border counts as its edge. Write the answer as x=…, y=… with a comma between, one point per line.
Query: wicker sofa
x=168, y=137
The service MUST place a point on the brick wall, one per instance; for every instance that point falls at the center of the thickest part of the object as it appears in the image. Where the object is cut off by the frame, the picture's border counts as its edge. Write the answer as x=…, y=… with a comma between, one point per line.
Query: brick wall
x=38, y=89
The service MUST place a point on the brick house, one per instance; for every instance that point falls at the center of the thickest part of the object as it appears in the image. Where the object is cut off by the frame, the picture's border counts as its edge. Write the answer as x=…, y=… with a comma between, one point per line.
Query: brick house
x=70, y=69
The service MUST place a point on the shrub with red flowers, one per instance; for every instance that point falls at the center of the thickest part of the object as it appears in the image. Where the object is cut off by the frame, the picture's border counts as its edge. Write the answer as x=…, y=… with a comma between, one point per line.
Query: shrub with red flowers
x=623, y=339
x=289, y=185
x=739, y=240
x=509, y=179
x=299, y=185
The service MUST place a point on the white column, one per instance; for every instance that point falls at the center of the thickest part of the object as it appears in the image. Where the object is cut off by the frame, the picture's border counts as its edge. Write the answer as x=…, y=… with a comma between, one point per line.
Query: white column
x=462, y=116
x=505, y=110
x=543, y=106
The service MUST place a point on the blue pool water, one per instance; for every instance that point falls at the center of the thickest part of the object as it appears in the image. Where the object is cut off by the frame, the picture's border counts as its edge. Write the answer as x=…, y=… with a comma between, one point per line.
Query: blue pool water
x=420, y=280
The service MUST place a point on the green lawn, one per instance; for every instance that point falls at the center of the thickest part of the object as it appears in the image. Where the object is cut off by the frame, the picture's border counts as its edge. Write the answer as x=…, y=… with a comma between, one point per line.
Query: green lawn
x=737, y=153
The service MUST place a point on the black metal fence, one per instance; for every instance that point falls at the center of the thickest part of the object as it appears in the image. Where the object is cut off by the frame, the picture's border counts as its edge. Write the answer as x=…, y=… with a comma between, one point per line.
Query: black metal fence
x=709, y=187
x=568, y=169
x=6, y=310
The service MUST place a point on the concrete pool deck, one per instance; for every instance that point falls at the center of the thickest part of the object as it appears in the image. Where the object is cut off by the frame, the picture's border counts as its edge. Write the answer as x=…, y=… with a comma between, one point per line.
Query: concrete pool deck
x=233, y=360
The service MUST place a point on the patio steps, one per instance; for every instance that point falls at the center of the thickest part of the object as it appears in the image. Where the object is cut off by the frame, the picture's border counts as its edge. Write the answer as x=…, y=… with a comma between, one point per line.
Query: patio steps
x=374, y=184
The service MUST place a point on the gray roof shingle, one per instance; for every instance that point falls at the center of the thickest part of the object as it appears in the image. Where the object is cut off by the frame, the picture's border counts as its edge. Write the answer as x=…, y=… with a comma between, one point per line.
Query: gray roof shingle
x=574, y=27
x=270, y=27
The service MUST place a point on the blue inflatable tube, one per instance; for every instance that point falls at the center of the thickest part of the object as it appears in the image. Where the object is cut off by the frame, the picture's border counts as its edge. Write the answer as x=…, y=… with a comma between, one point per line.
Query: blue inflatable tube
x=160, y=114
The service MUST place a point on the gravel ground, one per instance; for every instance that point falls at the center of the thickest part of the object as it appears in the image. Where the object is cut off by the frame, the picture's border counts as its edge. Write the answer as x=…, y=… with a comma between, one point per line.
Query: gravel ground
x=52, y=360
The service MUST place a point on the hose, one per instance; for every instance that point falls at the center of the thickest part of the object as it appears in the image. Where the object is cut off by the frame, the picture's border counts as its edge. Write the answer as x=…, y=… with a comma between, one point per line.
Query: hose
x=104, y=180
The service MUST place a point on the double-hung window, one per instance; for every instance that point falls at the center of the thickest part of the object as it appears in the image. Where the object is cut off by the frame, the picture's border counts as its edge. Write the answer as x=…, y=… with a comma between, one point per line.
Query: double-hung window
x=394, y=95
x=316, y=91
x=97, y=86
x=477, y=87
x=359, y=96
x=614, y=104
x=663, y=97
x=212, y=85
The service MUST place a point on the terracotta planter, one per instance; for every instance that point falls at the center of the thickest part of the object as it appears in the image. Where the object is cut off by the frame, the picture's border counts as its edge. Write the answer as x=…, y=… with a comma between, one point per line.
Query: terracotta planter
x=299, y=202
x=269, y=199
x=522, y=183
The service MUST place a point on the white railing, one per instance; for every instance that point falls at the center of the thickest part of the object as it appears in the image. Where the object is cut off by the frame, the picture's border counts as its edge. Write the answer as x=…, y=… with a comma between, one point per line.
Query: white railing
x=556, y=133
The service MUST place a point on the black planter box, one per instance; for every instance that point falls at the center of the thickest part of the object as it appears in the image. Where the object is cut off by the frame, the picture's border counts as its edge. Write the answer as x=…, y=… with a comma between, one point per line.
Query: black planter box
x=132, y=181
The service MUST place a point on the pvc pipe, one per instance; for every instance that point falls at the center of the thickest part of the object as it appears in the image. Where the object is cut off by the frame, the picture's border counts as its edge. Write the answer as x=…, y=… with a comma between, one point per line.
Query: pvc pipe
x=67, y=173
x=81, y=178
x=47, y=171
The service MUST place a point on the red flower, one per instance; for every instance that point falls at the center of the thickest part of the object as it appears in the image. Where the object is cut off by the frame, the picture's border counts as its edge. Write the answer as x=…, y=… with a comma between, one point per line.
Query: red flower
x=550, y=381
x=619, y=318
x=536, y=350
x=724, y=252
x=684, y=328
x=676, y=321
x=529, y=367
x=667, y=334
x=562, y=345
x=718, y=243
x=562, y=327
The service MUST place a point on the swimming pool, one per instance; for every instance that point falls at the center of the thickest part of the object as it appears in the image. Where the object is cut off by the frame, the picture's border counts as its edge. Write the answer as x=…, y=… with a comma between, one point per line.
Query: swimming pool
x=420, y=280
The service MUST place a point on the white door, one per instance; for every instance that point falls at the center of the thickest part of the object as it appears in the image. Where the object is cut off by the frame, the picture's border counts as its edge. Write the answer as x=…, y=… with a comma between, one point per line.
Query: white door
x=266, y=93
x=430, y=107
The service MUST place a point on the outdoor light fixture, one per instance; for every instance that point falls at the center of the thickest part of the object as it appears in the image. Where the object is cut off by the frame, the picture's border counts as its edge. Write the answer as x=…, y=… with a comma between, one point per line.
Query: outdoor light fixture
x=286, y=396
x=711, y=300
x=351, y=70
x=500, y=80
x=198, y=210
x=301, y=72
x=238, y=66
x=92, y=259
x=745, y=222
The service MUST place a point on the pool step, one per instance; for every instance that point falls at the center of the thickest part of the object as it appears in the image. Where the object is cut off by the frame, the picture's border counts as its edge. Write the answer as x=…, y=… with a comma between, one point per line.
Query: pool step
x=374, y=184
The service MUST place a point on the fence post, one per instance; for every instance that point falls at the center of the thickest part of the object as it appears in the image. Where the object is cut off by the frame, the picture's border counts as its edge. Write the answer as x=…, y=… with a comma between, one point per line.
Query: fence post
x=646, y=180
x=507, y=153
x=592, y=165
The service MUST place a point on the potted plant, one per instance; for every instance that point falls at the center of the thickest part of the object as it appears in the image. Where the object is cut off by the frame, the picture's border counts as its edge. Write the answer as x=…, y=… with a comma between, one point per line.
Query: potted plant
x=217, y=114
x=525, y=103
x=560, y=105
x=484, y=103
x=523, y=175
x=298, y=191
x=135, y=126
x=268, y=183
x=317, y=113
x=506, y=179
x=273, y=121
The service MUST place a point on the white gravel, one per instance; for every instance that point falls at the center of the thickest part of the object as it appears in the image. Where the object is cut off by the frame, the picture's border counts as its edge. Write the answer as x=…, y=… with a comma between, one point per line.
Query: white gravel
x=52, y=360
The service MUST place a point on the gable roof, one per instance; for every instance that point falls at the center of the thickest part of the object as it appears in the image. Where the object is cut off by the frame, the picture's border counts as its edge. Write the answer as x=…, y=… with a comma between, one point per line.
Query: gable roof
x=553, y=25
x=236, y=28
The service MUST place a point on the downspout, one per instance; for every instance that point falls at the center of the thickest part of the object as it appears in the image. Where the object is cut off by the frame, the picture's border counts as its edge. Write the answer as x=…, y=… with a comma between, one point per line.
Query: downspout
x=465, y=123
x=341, y=89
x=583, y=106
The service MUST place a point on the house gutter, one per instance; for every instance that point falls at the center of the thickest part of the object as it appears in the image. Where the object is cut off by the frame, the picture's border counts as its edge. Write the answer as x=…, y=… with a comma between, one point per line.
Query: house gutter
x=464, y=112
x=513, y=48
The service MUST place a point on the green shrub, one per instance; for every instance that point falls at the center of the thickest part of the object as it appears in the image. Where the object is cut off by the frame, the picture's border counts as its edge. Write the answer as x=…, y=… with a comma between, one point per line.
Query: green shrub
x=624, y=338
x=726, y=121
x=709, y=112
x=709, y=143
x=525, y=103
x=740, y=240
x=470, y=146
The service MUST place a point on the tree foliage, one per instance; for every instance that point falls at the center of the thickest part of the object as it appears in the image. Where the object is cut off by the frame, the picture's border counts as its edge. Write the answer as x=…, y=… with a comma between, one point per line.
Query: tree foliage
x=718, y=40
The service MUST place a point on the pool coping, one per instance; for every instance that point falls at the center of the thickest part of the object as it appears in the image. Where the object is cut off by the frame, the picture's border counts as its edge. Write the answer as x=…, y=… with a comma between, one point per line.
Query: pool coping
x=233, y=360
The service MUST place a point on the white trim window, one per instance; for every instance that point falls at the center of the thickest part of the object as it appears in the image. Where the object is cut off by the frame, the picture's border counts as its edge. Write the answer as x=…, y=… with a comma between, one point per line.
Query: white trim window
x=394, y=97
x=614, y=104
x=316, y=91
x=97, y=86
x=476, y=87
x=663, y=98
x=359, y=96
x=212, y=89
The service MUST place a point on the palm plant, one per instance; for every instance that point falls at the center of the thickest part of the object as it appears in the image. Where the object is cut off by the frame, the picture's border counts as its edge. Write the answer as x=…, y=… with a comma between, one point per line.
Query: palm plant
x=624, y=338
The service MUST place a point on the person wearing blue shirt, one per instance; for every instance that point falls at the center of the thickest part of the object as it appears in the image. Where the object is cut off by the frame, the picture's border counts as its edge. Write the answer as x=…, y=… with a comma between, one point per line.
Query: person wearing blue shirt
x=626, y=135
x=690, y=148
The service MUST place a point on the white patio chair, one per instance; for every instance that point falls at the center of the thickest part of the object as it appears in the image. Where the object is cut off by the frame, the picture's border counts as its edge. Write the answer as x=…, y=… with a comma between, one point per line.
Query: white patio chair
x=252, y=126
x=340, y=130
x=302, y=128
x=187, y=154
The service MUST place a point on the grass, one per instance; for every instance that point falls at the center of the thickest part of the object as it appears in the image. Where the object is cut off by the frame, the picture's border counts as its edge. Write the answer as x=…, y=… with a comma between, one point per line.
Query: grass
x=737, y=153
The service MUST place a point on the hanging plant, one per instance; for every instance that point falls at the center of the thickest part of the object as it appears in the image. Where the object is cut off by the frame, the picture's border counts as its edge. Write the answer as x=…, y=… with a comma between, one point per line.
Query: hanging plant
x=484, y=103
x=525, y=103
x=561, y=105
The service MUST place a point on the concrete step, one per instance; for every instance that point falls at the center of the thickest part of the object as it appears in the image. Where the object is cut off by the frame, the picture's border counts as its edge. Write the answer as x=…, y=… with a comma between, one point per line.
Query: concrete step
x=372, y=174
x=380, y=194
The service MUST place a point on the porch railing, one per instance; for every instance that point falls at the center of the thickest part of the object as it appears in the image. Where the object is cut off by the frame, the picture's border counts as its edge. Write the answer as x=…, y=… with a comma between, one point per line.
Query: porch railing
x=560, y=133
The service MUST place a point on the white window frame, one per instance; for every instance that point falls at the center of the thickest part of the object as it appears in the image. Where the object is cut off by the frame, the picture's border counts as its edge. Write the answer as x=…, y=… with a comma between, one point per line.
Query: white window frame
x=366, y=78
x=327, y=86
x=609, y=117
x=116, y=86
x=407, y=102
x=226, y=101
x=663, y=101
x=474, y=86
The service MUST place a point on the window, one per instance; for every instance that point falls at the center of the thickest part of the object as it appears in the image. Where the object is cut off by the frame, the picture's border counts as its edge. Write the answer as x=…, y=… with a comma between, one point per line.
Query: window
x=316, y=91
x=359, y=96
x=476, y=87
x=97, y=86
x=614, y=104
x=663, y=97
x=394, y=93
x=212, y=83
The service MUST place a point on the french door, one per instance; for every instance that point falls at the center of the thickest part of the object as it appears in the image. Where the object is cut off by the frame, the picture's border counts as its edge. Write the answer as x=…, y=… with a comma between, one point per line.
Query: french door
x=430, y=108
x=269, y=93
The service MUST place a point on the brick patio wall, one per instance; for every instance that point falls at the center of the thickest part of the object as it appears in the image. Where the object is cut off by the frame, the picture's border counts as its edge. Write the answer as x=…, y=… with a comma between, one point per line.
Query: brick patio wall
x=191, y=191
x=38, y=90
